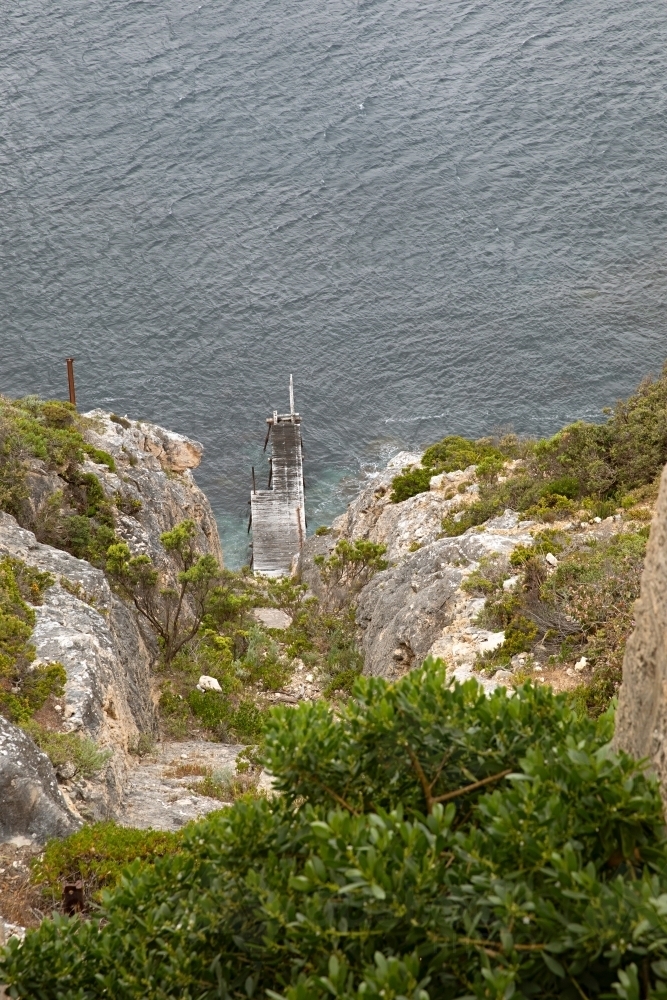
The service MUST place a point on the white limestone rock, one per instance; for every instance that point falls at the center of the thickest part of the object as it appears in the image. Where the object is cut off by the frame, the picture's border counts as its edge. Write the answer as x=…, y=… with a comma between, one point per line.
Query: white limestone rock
x=31, y=803
x=206, y=683
x=272, y=617
x=153, y=475
x=108, y=665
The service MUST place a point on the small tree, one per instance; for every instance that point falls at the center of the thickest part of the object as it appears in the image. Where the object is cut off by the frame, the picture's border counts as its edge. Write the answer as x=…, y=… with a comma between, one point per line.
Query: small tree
x=352, y=564
x=174, y=613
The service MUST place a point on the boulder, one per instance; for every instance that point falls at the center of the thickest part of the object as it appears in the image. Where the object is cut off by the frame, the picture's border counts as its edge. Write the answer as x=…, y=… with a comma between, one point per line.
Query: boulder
x=404, y=610
x=32, y=804
x=206, y=683
x=641, y=716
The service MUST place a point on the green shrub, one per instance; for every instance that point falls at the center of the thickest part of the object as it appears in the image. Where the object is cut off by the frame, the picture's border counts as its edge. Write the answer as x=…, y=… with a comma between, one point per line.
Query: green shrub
x=97, y=855
x=589, y=465
x=175, y=613
x=449, y=455
x=211, y=708
x=429, y=842
x=100, y=457
x=248, y=721
x=120, y=420
x=69, y=748
x=352, y=564
x=409, y=483
x=520, y=634
x=24, y=688
x=262, y=664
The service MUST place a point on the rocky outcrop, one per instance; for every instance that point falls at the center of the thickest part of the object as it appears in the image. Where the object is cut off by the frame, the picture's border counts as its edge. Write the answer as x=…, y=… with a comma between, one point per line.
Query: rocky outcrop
x=416, y=607
x=413, y=522
x=154, y=480
x=107, y=650
x=641, y=716
x=31, y=802
x=404, y=611
x=84, y=626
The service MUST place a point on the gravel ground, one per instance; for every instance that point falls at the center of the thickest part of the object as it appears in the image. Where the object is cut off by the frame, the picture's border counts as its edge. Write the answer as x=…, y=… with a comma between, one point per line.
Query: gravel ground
x=155, y=798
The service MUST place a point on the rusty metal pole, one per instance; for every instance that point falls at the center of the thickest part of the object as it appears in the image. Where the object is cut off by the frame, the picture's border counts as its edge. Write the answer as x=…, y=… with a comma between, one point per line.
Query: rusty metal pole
x=70, y=379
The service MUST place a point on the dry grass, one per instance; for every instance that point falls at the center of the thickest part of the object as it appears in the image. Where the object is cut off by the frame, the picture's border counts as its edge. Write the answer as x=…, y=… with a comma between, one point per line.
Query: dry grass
x=20, y=902
x=193, y=770
x=225, y=786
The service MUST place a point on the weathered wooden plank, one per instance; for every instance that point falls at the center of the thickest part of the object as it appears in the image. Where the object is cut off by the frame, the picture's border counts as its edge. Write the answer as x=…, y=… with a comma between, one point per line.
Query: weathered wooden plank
x=278, y=514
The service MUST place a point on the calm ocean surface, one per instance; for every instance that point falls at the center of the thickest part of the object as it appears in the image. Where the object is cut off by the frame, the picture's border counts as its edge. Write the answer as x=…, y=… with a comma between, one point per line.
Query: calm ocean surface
x=441, y=217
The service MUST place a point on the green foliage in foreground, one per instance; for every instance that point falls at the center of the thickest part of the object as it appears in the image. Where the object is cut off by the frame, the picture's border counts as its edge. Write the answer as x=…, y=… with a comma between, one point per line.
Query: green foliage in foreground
x=430, y=842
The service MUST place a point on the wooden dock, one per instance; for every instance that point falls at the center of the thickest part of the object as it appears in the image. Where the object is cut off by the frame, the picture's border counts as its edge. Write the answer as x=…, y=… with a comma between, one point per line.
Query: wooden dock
x=278, y=513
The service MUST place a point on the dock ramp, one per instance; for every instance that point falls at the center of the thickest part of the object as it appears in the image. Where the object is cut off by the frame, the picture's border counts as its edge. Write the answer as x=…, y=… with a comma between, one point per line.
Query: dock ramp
x=278, y=515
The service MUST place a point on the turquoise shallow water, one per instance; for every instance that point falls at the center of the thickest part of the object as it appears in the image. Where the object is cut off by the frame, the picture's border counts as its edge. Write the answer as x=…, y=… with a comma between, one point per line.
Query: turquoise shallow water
x=439, y=217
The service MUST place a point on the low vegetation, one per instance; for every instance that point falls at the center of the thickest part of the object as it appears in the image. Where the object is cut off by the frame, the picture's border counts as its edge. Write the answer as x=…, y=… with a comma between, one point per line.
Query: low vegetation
x=591, y=469
x=454, y=453
x=429, y=841
x=250, y=661
x=580, y=607
x=24, y=686
x=77, y=516
x=97, y=855
x=81, y=755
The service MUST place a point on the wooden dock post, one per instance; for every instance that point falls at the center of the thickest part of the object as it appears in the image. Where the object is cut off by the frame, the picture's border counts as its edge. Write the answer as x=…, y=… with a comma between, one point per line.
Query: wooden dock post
x=70, y=380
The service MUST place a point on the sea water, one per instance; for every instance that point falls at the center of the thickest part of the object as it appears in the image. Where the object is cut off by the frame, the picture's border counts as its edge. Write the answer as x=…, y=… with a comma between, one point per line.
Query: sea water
x=440, y=217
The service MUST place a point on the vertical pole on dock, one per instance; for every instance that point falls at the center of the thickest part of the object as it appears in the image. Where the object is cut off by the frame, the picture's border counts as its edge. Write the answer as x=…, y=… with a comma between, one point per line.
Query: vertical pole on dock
x=70, y=380
x=254, y=488
x=291, y=395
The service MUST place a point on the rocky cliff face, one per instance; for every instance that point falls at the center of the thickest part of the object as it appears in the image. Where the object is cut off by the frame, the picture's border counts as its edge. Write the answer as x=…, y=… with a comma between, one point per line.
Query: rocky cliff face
x=107, y=651
x=641, y=717
x=416, y=607
x=153, y=475
x=32, y=804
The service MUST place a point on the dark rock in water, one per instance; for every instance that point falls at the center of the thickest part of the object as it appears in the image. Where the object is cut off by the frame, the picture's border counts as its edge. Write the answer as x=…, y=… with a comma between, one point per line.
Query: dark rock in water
x=31, y=804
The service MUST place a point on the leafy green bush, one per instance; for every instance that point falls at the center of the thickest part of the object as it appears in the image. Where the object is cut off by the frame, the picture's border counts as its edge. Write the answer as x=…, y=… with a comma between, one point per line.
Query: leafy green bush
x=352, y=564
x=409, y=483
x=23, y=687
x=262, y=663
x=69, y=748
x=448, y=455
x=174, y=613
x=429, y=842
x=211, y=708
x=593, y=466
x=97, y=854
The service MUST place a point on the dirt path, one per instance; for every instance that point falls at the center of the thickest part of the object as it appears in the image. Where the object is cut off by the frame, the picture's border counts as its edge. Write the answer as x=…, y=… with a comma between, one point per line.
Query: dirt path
x=154, y=797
